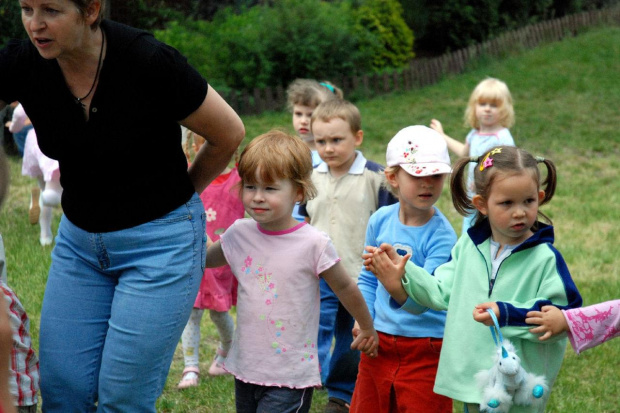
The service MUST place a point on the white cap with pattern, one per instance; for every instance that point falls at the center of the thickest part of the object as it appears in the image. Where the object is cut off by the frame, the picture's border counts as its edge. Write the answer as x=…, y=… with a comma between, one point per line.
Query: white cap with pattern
x=419, y=150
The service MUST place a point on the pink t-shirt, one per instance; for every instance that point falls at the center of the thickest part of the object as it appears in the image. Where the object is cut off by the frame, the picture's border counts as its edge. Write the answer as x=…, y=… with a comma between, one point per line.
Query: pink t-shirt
x=275, y=342
x=593, y=325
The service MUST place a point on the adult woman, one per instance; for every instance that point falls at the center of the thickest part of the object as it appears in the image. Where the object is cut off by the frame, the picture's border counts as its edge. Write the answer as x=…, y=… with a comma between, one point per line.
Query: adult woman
x=106, y=101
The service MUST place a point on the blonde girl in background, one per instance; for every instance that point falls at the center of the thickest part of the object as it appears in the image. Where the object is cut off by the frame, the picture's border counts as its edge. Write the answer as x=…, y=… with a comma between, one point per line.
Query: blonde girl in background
x=218, y=289
x=506, y=262
x=490, y=114
x=278, y=263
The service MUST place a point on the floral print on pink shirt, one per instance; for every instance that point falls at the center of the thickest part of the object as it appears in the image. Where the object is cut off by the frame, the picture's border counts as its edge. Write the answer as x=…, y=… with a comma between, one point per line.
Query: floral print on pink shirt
x=276, y=327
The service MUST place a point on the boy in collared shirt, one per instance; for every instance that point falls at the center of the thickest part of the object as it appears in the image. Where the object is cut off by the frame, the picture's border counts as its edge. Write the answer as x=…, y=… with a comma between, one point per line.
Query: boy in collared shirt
x=349, y=192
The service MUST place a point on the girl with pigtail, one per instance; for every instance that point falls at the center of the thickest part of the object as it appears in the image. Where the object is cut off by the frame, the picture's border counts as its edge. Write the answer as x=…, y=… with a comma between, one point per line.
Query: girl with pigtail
x=506, y=262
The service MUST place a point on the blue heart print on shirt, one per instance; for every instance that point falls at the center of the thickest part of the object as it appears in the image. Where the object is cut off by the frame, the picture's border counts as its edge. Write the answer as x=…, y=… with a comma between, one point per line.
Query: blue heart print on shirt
x=403, y=250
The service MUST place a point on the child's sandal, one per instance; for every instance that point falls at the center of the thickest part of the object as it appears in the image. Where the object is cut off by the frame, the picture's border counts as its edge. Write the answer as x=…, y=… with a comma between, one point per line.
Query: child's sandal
x=35, y=208
x=192, y=380
x=216, y=368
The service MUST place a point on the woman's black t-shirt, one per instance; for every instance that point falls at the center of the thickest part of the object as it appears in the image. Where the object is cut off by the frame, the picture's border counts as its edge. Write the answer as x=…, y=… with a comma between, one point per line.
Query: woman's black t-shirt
x=125, y=165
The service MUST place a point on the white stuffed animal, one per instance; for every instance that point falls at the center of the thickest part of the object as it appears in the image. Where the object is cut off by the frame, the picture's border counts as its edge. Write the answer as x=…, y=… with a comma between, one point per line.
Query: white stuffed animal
x=507, y=382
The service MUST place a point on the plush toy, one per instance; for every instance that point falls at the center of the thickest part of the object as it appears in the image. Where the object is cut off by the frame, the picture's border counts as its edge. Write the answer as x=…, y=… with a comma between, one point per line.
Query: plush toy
x=507, y=382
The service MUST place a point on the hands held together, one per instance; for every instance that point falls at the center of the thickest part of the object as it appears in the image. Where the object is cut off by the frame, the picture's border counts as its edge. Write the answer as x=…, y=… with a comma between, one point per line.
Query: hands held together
x=549, y=321
x=389, y=267
x=365, y=340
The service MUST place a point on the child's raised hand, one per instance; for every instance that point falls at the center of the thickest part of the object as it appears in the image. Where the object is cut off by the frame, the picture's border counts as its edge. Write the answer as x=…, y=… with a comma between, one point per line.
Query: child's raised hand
x=436, y=125
x=550, y=321
x=481, y=314
x=365, y=340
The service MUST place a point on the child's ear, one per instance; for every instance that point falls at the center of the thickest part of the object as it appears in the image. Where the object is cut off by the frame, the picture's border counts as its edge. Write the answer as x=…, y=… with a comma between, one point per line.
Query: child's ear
x=390, y=177
x=359, y=137
x=541, y=196
x=480, y=203
x=300, y=195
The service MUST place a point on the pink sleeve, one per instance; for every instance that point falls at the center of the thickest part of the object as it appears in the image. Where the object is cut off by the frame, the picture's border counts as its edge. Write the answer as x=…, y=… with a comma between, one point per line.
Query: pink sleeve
x=593, y=325
x=19, y=119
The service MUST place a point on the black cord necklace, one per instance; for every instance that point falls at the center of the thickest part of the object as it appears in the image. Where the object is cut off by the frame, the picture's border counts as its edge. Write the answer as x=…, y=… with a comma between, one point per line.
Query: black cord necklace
x=79, y=100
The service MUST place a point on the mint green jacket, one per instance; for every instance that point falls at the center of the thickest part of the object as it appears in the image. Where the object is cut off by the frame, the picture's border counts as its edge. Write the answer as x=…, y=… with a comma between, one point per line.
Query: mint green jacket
x=534, y=275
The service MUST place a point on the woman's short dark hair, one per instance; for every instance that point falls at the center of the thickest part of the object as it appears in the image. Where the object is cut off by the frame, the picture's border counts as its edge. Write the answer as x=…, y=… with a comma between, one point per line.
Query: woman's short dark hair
x=83, y=6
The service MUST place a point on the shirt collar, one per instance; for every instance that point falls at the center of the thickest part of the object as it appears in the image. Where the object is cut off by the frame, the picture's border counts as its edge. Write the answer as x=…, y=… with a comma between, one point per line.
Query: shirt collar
x=356, y=169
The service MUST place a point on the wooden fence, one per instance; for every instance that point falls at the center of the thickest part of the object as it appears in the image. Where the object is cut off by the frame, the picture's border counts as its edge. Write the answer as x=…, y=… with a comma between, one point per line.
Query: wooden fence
x=427, y=71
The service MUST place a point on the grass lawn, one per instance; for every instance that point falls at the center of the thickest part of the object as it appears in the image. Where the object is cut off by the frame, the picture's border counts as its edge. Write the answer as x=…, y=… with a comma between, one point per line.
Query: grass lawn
x=566, y=98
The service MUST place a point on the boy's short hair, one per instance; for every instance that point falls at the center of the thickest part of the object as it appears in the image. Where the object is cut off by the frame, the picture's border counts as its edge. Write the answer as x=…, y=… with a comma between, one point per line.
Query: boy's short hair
x=278, y=155
x=338, y=108
x=309, y=92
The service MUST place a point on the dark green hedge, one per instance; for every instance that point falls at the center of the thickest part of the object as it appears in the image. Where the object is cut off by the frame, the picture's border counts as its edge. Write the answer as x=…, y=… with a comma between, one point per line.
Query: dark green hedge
x=272, y=45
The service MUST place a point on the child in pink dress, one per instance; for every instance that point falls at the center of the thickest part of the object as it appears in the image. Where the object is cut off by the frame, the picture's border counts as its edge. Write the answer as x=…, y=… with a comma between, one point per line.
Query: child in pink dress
x=218, y=290
x=47, y=173
x=586, y=327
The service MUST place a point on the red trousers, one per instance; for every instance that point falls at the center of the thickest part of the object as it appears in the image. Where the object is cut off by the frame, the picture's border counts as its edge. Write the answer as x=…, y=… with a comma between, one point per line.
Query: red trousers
x=401, y=378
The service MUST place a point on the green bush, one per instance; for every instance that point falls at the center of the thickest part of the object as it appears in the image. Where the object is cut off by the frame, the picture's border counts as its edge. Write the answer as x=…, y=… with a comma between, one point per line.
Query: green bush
x=144, y=14
x=191, y=37
x=312, y=38
x=390, y=39
x=230, y=51
x=269, y=45
x=272, y=45
x=240, y=56
x=10, y=22
x=454, y=24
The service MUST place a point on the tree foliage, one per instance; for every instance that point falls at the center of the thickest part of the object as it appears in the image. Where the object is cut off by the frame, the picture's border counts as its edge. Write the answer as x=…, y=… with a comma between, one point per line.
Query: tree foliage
x=272, y=44
x=446, y=25
x=390, y=39
x=10, y=21
x=243, y=44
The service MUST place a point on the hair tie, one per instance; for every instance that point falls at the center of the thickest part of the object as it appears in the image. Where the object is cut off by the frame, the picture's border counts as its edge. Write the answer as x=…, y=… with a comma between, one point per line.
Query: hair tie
x=487, y=162
x=330, y=87
x=474, y=159
x=540, y=159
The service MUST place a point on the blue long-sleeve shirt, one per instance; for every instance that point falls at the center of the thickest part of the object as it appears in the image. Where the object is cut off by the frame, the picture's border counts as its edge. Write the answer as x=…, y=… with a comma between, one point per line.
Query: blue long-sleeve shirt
x=430, y=246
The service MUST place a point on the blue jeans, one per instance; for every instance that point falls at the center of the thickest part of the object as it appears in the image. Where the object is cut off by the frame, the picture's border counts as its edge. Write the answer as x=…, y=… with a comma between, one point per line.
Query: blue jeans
x=114, y=309
x=254, y=398
x=20, y=139
x=338, y=370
